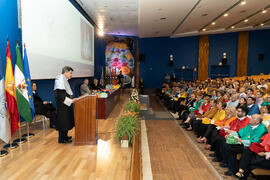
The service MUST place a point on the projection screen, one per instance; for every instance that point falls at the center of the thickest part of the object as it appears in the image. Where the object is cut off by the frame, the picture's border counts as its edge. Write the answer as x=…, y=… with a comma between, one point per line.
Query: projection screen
x=57, y=35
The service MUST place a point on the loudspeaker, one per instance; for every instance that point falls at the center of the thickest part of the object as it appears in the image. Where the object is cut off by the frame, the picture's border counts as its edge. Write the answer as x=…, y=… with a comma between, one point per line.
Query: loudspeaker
x=142, y=57
x=170, y=63
x=260, y=57
x=224, y=61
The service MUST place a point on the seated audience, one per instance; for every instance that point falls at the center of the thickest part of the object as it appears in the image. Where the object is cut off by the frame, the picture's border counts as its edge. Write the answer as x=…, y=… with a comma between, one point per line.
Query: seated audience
x=242, y=102
x=217, y=121
x=245, y=136
x=233, y=102
x=267, y=101
x=95, y=85
x=265, y=113
x=84, y=88
x=256, y=156
x=252, y=107
x=43, y=107
x=259, y=98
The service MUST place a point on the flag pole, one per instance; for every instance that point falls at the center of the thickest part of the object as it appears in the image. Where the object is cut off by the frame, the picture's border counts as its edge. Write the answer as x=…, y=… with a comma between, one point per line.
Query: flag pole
x=10, y=145
x=21, y=139
x=28, y=135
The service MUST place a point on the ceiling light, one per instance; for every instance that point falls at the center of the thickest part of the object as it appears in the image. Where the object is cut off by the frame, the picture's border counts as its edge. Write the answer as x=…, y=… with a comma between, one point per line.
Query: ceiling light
x=243, y=2
x=204, y=29
x=232, y=27
x=262, y=24
x=264, y=11
x=100, y=33
x=163, y=18
x=246, y=20
x=213, y=23
x=225, y=15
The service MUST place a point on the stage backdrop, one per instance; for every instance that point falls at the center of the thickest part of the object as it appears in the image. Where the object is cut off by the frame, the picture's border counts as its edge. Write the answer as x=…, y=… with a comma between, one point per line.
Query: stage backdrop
x=120, y=57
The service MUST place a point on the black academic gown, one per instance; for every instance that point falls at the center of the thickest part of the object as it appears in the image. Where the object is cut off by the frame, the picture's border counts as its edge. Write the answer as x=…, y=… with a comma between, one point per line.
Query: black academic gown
x=65, y=114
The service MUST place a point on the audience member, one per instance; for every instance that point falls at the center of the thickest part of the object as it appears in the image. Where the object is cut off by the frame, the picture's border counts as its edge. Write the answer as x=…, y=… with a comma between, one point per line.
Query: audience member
x=84, y=88
x=43, y=107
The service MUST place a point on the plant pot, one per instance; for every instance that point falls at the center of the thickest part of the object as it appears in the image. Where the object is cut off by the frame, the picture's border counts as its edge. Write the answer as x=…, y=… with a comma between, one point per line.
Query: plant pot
x=124, y=142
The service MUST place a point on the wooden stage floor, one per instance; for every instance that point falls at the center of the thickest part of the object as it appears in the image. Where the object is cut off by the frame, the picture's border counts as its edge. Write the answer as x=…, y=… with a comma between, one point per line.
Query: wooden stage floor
x=43, y=158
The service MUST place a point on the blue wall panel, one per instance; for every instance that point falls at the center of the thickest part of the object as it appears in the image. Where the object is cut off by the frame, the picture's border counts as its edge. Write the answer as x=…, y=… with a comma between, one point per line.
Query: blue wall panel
x=259, y=43
x=220, y=43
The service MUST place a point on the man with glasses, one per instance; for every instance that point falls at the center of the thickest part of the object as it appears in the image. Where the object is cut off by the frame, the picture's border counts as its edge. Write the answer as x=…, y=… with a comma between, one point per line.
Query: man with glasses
x=217, y=142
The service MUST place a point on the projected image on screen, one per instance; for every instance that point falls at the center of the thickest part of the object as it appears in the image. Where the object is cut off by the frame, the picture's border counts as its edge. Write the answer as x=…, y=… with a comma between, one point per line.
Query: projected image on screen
x=57, y=35
x=86, y=32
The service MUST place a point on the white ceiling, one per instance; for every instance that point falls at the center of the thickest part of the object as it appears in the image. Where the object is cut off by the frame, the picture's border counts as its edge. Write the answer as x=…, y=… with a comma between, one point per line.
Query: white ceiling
x=145, y=18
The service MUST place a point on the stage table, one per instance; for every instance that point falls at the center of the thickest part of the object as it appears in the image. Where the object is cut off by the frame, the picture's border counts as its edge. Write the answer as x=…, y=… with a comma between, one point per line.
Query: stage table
x=106, y=105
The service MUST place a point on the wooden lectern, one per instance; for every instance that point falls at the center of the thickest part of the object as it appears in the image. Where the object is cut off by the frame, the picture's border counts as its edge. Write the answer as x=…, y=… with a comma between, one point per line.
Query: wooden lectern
x=85, y=120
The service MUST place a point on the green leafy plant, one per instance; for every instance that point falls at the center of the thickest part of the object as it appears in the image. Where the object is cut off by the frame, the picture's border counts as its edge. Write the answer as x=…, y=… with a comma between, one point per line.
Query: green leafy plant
x=131, y=106
x=127, y=126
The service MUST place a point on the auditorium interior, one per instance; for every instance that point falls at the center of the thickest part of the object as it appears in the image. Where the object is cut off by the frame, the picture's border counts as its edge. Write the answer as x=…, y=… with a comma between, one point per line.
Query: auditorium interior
x=134, y=89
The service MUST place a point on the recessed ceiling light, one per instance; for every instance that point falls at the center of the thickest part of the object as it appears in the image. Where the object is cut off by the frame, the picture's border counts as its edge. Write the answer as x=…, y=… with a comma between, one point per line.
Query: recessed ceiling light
x=232, y=27
x=100, y=33
x=243, y=2
x=225, y=15
x=213, y=23
x=163, y=18
x=204, y=29
x=205, y=14
x=246, y=20
x=264, y=11
x=262, y=24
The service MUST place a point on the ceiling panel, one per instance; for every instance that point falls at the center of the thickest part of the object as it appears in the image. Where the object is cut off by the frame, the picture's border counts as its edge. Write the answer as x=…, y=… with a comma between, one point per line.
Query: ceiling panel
x=204, y=13
x=150, y=12
x=174, y=18
x=114, y=17
x=255, y=20
x=239, y=12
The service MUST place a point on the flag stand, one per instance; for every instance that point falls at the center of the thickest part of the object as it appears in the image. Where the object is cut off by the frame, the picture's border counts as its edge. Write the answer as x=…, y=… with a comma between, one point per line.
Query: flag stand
x=28, y=135
x=11, y=145
x=20, y=140
x=3, y=153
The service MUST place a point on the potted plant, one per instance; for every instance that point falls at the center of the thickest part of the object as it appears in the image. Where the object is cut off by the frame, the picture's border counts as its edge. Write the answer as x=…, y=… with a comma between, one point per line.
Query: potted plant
x=127, y=127
x=132, y=108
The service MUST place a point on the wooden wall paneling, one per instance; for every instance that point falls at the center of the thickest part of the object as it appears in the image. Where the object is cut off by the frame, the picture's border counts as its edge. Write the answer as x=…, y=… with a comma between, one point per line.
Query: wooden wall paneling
x=242, y=58
x=203, y=57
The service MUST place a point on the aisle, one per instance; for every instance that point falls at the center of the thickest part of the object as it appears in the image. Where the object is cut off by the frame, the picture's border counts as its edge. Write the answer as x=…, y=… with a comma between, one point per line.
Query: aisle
x=44, y=158
x=173, y=156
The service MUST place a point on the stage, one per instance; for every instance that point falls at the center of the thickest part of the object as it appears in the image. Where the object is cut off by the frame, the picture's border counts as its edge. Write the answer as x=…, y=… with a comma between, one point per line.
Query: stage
x=43, y=158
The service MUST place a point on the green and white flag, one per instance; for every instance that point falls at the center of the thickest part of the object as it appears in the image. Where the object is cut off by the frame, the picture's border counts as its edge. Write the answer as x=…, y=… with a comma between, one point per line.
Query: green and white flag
x=21, y=89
